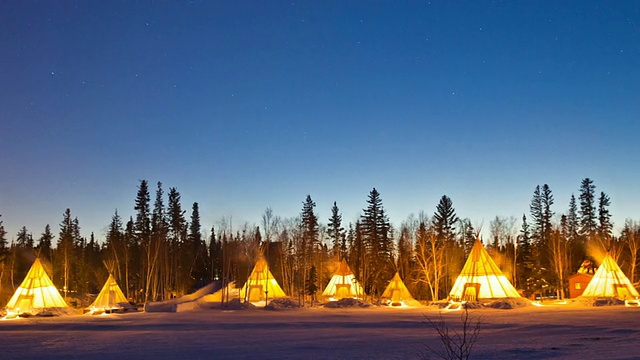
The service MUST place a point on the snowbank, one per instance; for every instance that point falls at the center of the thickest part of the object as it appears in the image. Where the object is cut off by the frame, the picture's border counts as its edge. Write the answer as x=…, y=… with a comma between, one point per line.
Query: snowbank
x=49, y=312
x=599, y=301
x=236, y=304
x=347, y=303
x=282, y=303
x=508, y=303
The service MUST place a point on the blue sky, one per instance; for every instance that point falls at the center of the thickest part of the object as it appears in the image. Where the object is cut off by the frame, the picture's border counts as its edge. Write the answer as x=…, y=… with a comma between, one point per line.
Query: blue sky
x=245, y=105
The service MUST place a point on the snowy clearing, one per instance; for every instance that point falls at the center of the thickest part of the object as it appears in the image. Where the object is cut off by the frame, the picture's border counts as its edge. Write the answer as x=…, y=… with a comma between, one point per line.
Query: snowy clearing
x=558, y=332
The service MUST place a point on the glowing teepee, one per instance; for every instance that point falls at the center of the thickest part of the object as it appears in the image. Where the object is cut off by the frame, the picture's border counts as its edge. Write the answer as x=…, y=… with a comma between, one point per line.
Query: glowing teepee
x=481, y=278
x=343, y=284
x=397, y=292
x=610, y=281
x=110, y=298
x=259, y=282
x=36, y=293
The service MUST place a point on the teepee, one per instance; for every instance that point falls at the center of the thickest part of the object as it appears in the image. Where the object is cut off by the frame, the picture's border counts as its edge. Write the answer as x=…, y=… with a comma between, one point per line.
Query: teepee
x=397, y=292
x=261, y=284
x=610, y=281
x=481, y=278
x=343, y=284
x=36, y=293
x=110, y=298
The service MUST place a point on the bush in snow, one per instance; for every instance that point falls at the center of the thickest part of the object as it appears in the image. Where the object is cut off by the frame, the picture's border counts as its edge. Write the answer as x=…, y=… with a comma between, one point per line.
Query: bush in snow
x=347, y=303
x=282, y=303
x=236, y=304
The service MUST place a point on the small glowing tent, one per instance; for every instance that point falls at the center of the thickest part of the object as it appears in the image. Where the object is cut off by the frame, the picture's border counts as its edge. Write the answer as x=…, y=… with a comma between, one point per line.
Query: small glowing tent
x=36, y=293
x=481, y=278
x=610, y=281
x=343, y=284
x=397, y=292
x=110, y=298
x=261, y=284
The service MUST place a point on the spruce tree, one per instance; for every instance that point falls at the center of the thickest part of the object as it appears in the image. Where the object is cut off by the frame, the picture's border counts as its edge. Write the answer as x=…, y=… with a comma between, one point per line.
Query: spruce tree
x=310, y=231
x=45, y=243
x=378, y=244
x=199, y=269
x=335, y=231
x=524, y=257
x=24, y=239
x=535, y=207
x=588, y=224
x=604, y=219
x=468, y=236
x=573, y=224
x=115, y=247
x=157, y=269
x=4, y=249
x=547, y=214
x=143, y=237
x=143, y=222
x=65, y=250
x=444, y=219
x=312, y=282
x=177, y=228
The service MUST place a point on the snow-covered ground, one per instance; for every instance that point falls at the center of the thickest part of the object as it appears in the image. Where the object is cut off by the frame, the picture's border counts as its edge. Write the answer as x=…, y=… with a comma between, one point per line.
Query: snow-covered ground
x=557, y=331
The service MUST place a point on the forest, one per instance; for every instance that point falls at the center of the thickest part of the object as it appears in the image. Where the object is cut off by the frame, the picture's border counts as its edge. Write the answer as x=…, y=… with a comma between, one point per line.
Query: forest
x=158, y=253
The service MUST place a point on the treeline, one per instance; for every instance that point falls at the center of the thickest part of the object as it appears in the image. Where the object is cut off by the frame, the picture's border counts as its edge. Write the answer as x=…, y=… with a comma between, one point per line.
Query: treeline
x=159, y=253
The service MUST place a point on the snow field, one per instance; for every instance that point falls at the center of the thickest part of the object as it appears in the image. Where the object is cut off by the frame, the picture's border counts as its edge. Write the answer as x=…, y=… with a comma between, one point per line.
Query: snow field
x=557, y=331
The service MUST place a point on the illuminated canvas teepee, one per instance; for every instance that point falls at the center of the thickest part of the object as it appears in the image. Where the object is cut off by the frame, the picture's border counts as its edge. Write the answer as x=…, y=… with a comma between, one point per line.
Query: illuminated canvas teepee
x=110, y=298
x=343, y=284
x=610, y=281
x=36, y=293
x=481, y=278
x=260, y=281
x=397, y=292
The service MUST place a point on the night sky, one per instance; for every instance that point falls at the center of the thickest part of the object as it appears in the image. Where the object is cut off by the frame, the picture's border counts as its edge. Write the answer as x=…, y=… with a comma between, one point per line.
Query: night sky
x=244, y=105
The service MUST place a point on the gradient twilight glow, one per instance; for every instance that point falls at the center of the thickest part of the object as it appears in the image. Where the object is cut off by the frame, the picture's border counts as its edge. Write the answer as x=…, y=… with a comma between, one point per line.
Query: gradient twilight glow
x=243, y=105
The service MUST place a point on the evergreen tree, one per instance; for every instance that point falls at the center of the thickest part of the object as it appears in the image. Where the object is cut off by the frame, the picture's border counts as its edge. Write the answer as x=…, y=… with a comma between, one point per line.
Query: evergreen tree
x=547, y=214
x=65, y=250
x=309, y=244
x=199, y=268
x=468, y=236
x=156, y=250
x=573, y=223
x=131, y=274
x=588, y=225
x=524, y=257
x=575, y=241
x=143, y=222
x=177, y=229
x=444, y=219
x=378, y=245
x=312, y=282
x=4, y=253
x=537, y=215
x=215, y=256
x=309, y=222
x=604, y=219
x=4, y=249
x=335, y=231
x=3, y=239
x=542, y=215
x=116, y=248
x=405, y=252
x=24, y=239
x=142, y=228
x=44, y=244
